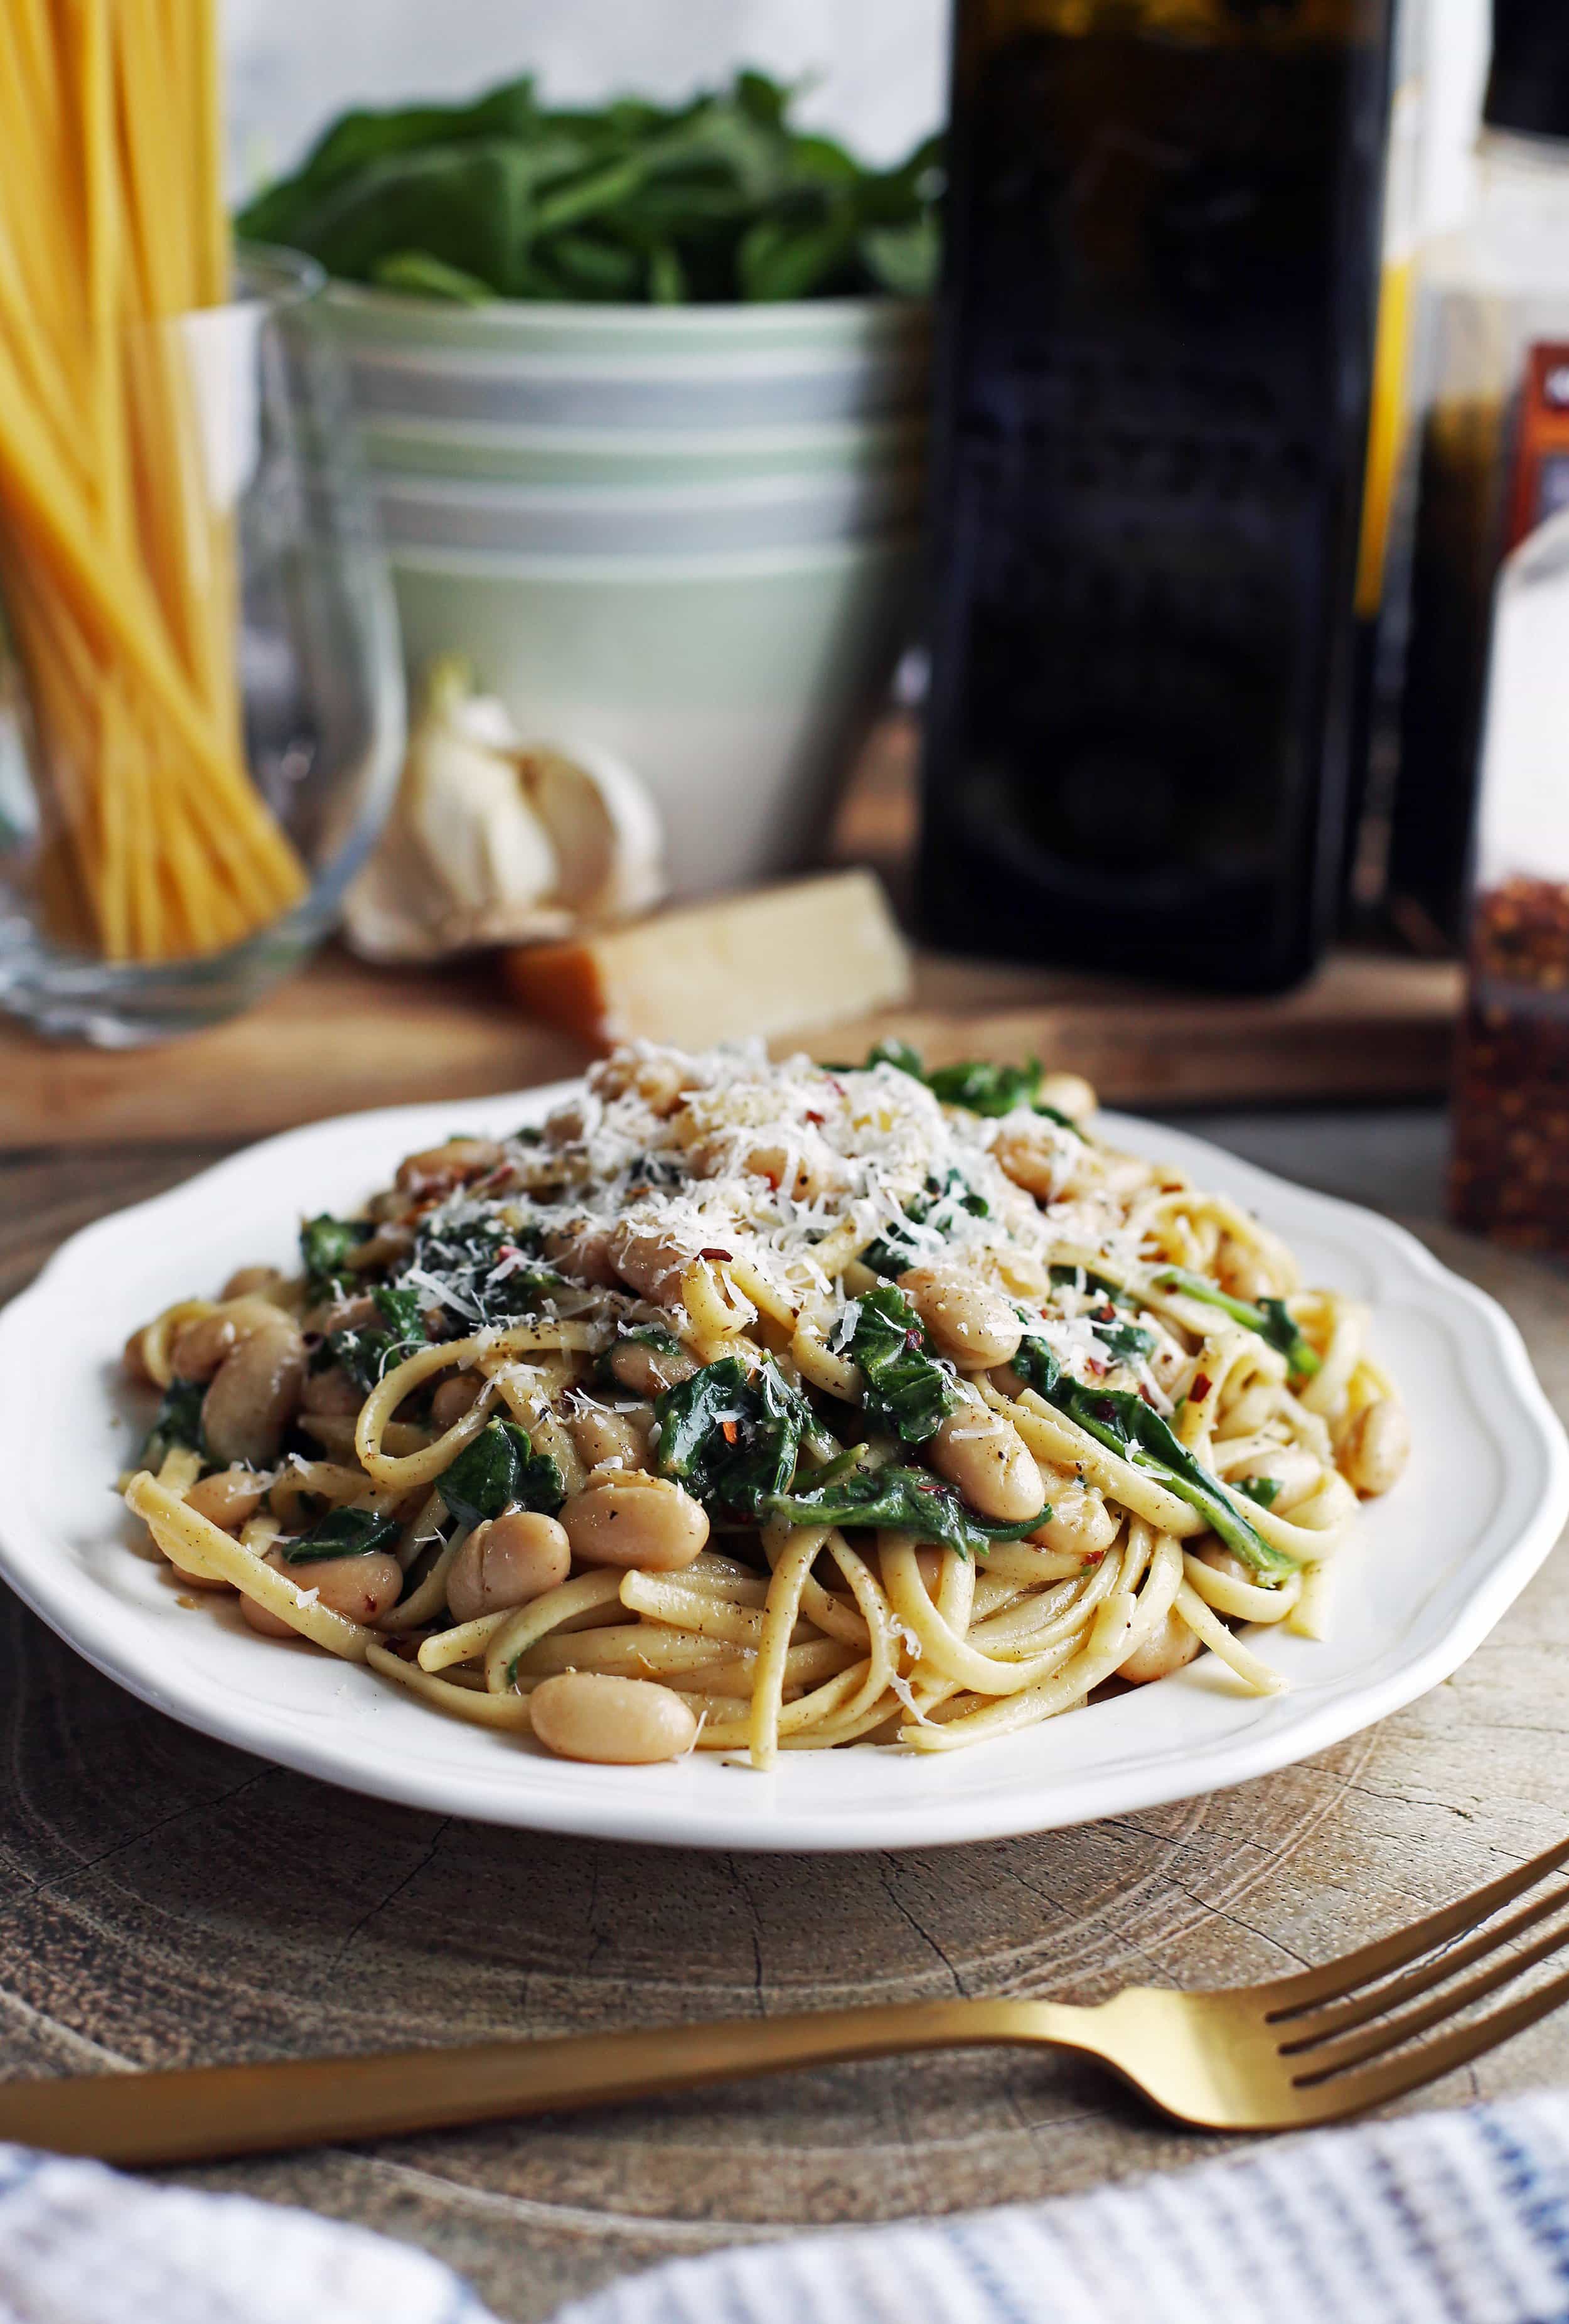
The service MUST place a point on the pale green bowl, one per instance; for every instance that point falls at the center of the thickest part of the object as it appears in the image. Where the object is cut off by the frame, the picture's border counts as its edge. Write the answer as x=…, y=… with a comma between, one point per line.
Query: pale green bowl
x=478, y=454
x=738, y=687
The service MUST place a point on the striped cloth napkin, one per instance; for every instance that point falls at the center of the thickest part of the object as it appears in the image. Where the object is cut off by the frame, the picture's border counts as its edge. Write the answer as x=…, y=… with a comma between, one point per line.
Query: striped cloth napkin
x=1444, y=2219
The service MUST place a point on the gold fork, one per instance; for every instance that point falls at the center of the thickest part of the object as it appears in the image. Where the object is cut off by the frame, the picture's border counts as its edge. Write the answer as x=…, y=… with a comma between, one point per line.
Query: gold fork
x=1297, y=2050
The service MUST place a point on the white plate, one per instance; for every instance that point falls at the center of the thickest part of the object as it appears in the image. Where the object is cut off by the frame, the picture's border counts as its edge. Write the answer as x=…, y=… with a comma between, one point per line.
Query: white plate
x=1432, y=1569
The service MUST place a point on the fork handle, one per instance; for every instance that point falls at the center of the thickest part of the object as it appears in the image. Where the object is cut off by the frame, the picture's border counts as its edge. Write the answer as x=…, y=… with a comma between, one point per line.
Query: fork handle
x=202, y=2113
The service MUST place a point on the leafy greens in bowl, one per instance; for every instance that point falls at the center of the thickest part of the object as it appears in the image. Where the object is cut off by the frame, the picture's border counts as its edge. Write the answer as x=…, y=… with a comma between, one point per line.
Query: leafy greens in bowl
x=721, y=198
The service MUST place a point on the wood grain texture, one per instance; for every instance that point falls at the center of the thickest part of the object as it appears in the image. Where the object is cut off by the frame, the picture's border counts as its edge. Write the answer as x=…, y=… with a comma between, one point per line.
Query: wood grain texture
x=164, y=1898
x=344, y=1036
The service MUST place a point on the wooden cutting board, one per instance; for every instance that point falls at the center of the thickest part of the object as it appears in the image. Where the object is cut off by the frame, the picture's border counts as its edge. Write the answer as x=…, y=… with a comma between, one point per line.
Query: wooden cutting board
x=344, y=1036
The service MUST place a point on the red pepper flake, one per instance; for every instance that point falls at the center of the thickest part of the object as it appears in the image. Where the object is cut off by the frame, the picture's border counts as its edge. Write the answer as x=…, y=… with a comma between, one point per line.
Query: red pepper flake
x=713, y=1252
x=1200, y=1389
x=817, y=1120
x=730, y=1430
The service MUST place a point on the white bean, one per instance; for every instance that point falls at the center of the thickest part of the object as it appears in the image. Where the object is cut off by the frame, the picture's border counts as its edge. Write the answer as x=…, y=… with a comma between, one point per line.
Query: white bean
x=228, y=1498
x=1068, y=1093
x=982, y=1452
x=969, y=1322
x=635, y=1520
x=358, y=1588
x=1169, y=1647
x=603, y=1437
x=1080, y=1524
x=619, y=1722
x=255, y=1393
x=509, y=1561
x=1376, y=1447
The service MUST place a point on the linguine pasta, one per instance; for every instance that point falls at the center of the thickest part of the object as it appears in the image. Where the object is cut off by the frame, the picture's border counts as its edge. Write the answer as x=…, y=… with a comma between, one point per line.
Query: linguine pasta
x=767, y=1407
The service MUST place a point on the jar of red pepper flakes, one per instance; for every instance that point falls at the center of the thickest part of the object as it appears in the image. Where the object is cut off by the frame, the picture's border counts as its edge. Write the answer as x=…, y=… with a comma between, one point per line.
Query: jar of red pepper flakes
x=1509, y=1172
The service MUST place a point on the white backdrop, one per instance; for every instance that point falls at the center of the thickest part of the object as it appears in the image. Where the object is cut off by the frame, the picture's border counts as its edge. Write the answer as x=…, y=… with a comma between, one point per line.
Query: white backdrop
x=878, y=66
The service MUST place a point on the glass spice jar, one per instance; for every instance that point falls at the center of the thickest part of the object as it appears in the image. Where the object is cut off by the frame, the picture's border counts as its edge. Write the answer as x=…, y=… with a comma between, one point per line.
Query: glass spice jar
x=1509, y=1171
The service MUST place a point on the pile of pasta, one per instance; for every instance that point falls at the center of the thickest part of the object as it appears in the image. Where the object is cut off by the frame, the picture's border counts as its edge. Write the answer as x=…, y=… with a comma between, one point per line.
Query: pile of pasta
x=762, y=1407
x=117, y=567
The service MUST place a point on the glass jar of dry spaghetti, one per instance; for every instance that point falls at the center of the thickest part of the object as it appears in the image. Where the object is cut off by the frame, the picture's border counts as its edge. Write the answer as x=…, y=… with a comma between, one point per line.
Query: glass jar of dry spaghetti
x=201, y=707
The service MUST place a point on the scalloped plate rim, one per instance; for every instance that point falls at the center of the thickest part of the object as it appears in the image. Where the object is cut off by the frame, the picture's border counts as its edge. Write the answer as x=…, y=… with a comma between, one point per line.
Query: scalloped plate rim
x=793, y=1810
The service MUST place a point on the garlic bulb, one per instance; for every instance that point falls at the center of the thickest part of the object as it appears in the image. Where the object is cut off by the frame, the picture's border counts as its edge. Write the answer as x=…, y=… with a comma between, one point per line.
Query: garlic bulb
x=495, y=841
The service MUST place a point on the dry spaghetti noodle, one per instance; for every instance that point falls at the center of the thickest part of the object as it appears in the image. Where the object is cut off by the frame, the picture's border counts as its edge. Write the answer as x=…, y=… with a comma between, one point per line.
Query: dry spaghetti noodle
x=773, y=1408
x=117, y=568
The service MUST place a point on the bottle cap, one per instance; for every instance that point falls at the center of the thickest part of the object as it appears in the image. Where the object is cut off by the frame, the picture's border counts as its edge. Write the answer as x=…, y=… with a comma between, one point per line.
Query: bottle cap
x=1528, y=87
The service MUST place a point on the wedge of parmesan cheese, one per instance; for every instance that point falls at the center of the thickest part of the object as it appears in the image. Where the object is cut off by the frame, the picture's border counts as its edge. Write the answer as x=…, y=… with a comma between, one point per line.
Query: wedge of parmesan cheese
x=778, y=960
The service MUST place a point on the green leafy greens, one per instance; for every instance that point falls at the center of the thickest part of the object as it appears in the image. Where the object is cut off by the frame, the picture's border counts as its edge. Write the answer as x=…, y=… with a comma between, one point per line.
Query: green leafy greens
x=1269, y=1318
x=325, y=1247
x=979, y=1084
x=937, y=1208
x=1126, y=1424
x=907, y=1390
x=732, y=1439
x=343, y=1533
x=906, y=1501
x=1265, y=1491
x=368, y=1354
x=500, y=1470
x=177, y=1424
x=476, y=1265
x=719, y=198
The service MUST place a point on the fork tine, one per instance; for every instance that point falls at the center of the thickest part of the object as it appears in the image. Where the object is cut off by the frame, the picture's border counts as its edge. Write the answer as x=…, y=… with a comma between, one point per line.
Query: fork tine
x=1376, y=2085
x=1380, y=2000
x=1319, y=2064
x=1341, y=1976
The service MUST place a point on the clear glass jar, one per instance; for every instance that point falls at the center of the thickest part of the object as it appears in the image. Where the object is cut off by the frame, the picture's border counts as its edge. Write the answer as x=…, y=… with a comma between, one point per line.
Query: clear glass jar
x=1510, y=1173
x=159, y=872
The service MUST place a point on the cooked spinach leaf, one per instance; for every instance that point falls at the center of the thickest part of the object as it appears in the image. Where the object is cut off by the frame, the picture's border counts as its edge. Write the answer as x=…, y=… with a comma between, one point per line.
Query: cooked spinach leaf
x=731, y=1438
x=343, y=1533
x=1126, y=1424
x=978, y=1084
x=1270, y=1318
x=897, y=1054
x=177, y=1424
x=907, y=1390
x=906, y=1500
x=1035, y=1364
x=1265, y=1491
x=475, y=1265
x=325, y=1245
x=1127, y=1343
x=500, y=1470
x=368, y=1354
x=891, y=1253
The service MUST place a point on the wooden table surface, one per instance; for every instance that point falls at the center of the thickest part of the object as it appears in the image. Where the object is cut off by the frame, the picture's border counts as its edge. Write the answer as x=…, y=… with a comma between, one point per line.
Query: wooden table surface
x=165, y=1898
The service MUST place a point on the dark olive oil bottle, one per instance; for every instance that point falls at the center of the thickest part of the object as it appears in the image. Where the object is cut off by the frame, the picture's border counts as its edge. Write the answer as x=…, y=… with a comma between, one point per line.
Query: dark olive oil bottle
x=1156, y=347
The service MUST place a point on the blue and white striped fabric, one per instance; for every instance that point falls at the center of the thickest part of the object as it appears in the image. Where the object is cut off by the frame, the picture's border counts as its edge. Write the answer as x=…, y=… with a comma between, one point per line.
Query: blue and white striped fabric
x=80, y=2244
x=1444, y=2219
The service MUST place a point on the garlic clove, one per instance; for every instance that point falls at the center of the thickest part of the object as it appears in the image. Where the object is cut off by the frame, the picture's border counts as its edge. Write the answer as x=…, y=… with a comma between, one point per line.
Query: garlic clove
x=467, y=811
x=603, y=825
x=494, y=842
